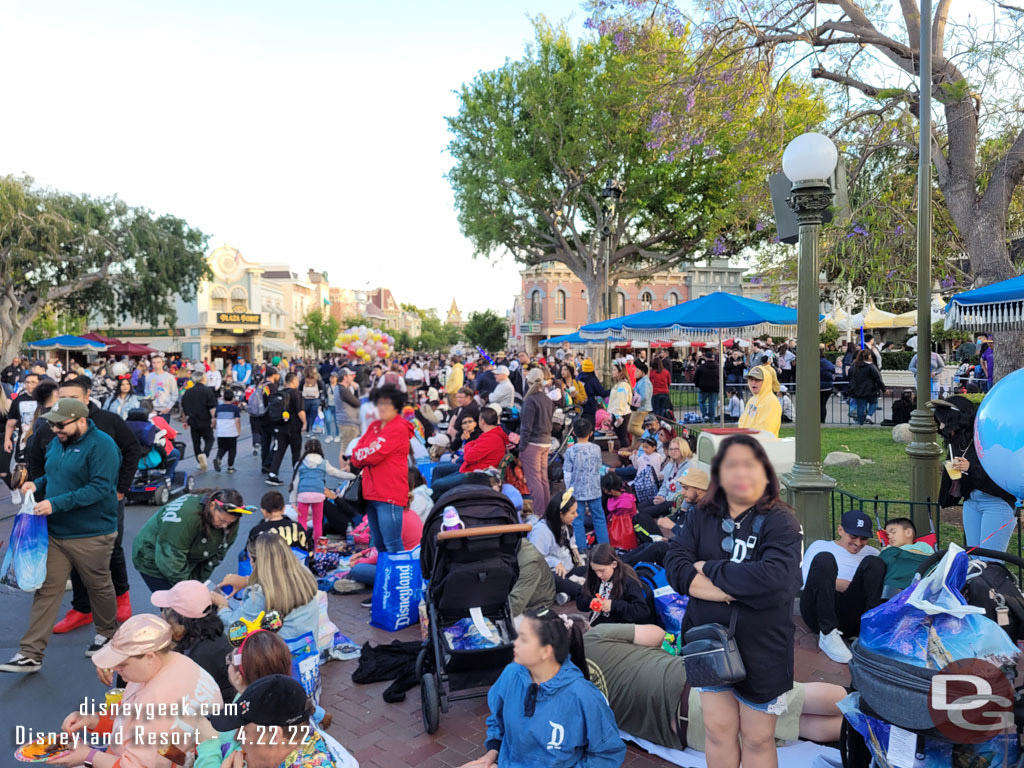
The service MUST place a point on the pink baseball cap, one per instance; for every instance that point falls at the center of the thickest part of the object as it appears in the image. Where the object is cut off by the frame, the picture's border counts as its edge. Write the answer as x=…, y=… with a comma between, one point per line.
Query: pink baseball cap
x=142, y=633
x=190, y=599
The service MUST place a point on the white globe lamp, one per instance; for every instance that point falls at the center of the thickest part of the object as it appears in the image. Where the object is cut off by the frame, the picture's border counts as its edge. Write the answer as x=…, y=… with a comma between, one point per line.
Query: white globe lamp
x=809, y=157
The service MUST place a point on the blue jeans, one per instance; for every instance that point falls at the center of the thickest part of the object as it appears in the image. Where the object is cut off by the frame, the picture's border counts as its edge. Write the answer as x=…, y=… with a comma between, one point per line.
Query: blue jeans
x=363, y=573
x=987, y=516
x=385, y=521
x=596, y=517
x=865, y=407
x=708, y=402
x=329, y=421
x=310, y=406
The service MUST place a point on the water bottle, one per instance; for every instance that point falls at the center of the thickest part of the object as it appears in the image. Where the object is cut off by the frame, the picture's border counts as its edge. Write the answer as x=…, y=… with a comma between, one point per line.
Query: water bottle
x=452, y=521
x=350, y=538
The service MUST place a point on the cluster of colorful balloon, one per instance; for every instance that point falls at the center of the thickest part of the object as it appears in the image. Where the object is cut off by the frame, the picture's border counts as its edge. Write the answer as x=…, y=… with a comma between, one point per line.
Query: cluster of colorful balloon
x=362, y=343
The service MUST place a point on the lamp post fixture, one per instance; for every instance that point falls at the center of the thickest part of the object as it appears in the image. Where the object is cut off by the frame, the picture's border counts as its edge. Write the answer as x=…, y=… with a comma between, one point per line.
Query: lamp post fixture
x=610, y=194
x=847, y=297
x=808, y=162
x=924, y=450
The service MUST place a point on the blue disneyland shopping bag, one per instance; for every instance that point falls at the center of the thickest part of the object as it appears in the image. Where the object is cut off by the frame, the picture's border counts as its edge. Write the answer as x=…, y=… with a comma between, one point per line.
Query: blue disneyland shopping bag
x=668, y=603
x=397, y=588
x=24, y=563
x=306, y=664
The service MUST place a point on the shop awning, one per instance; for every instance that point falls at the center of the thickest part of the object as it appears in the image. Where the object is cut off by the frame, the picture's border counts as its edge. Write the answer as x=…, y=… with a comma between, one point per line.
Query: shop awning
x=165, y=344
x=277, y=345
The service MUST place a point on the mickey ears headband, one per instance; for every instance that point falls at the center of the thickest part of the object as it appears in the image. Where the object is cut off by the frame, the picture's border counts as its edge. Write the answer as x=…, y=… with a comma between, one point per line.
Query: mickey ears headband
x=566, y=498
x=239, y=631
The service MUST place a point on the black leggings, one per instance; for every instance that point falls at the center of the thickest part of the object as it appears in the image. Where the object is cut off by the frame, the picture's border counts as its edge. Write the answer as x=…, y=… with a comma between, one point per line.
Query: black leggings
x=649, y=553
x=823, y=608
x=338, y=514
x=622, y=432
x=227, y=446
x=571, y=588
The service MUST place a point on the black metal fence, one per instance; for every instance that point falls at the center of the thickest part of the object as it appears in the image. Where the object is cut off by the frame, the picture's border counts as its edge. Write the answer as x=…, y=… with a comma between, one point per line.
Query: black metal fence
x=839, y=409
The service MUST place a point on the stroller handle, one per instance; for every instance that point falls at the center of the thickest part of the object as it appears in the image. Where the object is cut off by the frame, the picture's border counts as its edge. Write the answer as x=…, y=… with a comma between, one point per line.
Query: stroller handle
x=484, y=530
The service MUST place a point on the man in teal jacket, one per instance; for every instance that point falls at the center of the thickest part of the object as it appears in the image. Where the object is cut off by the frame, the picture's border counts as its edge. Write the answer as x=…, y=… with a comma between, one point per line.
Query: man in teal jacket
x=80, y=488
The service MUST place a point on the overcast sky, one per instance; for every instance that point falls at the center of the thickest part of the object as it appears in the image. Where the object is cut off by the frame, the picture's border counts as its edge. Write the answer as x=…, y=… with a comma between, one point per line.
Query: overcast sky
x=309, y=132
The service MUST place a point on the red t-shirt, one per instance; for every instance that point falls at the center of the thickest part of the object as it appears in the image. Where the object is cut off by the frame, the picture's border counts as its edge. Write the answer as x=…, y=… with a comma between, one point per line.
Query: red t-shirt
x=659, y=382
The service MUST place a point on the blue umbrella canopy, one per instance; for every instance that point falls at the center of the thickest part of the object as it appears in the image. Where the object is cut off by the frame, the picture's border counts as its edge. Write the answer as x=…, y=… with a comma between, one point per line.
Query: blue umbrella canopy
x=995, y=307
x=607, y=329
x=717, y=314
x=69, y=343
x=573, y=338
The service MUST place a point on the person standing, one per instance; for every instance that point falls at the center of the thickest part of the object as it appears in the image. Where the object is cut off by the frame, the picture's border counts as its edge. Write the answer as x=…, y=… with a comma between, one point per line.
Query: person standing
x=988, y=363
x=131, y=452
x=706, y=381
x=242, y=372
x=312, y=395
x=162, y=387
x=19, y=419
x=197, y=406
x=266, y=389
x=80, y=490
x=454, y=381
x=535, y=438
x=284, y=409
x=10, y=376
x=331, y=408
x=865, y=385
x=826, y=379
x=738, y=559
x=227, y=424
x=935, y=367
x=346, y=405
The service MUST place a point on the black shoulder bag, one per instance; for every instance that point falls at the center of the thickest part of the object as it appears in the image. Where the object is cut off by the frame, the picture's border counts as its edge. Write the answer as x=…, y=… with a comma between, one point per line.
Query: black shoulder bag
x=710, y=653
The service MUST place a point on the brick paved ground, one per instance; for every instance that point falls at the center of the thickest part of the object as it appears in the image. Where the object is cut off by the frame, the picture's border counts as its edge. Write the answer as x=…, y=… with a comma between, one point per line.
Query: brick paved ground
x=382, y=735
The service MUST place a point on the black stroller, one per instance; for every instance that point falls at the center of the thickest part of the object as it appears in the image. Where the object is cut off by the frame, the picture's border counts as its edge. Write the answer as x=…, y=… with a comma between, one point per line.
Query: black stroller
x=469, y=570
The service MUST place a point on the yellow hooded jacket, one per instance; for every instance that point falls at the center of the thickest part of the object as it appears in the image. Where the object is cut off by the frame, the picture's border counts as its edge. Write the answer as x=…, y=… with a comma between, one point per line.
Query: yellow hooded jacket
x=764, y=411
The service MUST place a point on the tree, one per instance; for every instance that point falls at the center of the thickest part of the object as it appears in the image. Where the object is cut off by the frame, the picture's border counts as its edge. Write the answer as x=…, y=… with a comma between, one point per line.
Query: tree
x=437, y=336
x=871, y=62
x=49, y=324
x=317, y=331
x=486, y=329
x=89, y=256
x=535, y=141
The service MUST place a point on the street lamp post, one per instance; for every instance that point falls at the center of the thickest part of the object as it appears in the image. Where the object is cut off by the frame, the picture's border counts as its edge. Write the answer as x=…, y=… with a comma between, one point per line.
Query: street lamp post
x=808, y=162
x=924, y=450
x=610, y=194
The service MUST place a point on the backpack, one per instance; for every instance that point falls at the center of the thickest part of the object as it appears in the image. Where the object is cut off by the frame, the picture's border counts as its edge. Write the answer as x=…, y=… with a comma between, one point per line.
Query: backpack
x=256, y=406
x=991, y=586
x=277, y=406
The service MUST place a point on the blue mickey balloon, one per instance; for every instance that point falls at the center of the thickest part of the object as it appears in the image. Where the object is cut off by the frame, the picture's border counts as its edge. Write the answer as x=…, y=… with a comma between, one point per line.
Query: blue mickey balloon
x=999, y=433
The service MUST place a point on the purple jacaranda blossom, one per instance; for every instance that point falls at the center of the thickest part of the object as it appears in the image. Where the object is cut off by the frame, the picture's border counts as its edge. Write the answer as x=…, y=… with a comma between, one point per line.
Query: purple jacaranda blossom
x=759, y=227
x=898, y=231
x=890, y=273
x=948, y=281
x=659, y=120
x=620, y=41
x=691, y=100
x=710, y=152
x=719, y=247
x=727, y=116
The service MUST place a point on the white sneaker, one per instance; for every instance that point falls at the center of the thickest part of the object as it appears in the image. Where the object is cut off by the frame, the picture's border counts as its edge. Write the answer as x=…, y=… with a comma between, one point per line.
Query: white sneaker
x=21, y=664
x=201, y=458
x=833, y=646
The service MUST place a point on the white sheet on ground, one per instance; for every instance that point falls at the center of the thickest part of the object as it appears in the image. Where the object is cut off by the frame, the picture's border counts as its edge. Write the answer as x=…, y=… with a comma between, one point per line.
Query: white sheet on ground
x=802, y=754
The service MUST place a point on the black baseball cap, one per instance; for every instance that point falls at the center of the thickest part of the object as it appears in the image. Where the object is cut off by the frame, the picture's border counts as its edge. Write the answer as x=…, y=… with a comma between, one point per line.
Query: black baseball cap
x=272, y=700
x=856, y=523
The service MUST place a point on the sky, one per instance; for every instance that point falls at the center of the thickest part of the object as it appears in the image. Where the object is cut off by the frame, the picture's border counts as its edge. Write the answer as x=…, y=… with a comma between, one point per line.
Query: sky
x=308, y=132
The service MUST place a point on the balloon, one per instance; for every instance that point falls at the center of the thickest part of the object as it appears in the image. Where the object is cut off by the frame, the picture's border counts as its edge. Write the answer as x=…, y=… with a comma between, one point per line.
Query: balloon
x=999, y=434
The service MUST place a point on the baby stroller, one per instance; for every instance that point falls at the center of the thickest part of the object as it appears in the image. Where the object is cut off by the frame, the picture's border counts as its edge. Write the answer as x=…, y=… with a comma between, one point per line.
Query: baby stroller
x=470, y=574
x=153, y=482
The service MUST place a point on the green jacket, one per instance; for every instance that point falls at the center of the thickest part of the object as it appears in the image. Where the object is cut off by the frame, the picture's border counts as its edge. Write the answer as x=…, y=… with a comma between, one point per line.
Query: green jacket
x=900, y=566
x=80, y=482
x=535, y=587
x=173, y=545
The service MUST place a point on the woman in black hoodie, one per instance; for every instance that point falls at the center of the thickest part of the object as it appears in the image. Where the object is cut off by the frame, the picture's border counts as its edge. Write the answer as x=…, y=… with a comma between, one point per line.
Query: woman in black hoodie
x=740, y=551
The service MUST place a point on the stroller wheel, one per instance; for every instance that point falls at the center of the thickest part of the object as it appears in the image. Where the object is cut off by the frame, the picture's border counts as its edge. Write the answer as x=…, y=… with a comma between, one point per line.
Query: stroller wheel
x=852, y=747
x=421, y=662
x=431, y=701
x=161, y=495
x=190, y=484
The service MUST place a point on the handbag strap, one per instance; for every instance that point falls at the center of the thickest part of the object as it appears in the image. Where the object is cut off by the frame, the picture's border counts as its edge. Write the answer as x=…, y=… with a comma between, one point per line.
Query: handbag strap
x=757, y=525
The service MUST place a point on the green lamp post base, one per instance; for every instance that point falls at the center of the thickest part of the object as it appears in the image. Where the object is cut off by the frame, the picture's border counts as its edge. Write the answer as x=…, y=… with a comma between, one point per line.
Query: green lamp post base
x=809, y=492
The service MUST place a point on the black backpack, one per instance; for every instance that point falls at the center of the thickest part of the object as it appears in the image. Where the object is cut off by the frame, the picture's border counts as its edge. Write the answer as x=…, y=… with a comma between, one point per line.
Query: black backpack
x=277, y=406
x=991, y=586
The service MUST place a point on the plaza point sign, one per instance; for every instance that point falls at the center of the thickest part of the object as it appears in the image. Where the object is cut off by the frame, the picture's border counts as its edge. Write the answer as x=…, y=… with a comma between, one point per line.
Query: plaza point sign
x=238, y=318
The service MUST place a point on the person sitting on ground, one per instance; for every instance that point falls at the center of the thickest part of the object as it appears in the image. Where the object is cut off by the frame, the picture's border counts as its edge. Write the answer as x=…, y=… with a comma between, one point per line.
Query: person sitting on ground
x=504, y=393
x=842, y=579
x=763, y=411
x=553, y=537
x=482, y=453
x=680, y=458
x=691, y=487
x=617, y=587
x=619, y=500
x=535, y=587
x=544, y=710
x=469, y=430
x=645, y=455
x=582, y=466
x=903, y=555
x=272, y=727
x=187, y=537
x=650, y=698
x=196, y=629
x=363, y=564
x=278, y=582
x=157, y=678
x=274, y=521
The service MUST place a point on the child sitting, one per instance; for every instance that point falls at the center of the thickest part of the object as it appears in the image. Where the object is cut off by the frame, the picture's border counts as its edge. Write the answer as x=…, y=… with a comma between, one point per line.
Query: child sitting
x=903, y=555
x=612, y=591
x=274, y=521
x=619, y=504
x=309, y=481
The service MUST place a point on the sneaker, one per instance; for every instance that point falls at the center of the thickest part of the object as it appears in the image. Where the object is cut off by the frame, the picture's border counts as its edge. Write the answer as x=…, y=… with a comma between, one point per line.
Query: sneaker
x=23, y=664
x=561, y=598
x=97, y=642
x=231, y=469
x=345, y=586
x=833, y=646
x=216, y=464
x=124, y=608
x=72, y=620
x=273, y=479
x=367, y=603
x=201, y=458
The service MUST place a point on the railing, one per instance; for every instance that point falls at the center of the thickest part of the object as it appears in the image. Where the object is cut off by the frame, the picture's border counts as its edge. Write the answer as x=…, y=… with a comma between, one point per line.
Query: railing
x=839, y=409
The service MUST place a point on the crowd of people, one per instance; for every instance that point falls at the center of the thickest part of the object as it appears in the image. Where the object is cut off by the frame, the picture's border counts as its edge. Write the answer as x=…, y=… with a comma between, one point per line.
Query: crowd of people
x=601, y=474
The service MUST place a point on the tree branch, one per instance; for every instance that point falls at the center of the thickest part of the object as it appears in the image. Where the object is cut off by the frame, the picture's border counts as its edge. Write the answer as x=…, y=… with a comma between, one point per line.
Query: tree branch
x=1008, y=173
x=938, y=28
x=822, y=74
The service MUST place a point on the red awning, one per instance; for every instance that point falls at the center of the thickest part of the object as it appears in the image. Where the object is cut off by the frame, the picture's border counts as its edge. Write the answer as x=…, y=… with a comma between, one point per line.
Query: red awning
x=131, y=350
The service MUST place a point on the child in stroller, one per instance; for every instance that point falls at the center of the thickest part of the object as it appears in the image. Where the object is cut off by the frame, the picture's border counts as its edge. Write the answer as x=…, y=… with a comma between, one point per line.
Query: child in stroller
x=156, y=479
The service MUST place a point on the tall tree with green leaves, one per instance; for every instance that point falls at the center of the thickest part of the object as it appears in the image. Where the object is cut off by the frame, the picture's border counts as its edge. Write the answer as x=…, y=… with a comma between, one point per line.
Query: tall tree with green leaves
x=89, y=256
x=486, y=329
x=317, y=331
x=535, y=141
